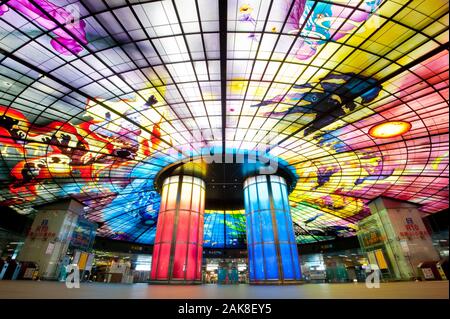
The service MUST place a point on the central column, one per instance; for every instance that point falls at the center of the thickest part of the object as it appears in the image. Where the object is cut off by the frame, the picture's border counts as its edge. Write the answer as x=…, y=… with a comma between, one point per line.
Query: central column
x=177, y=252
x=271, y=245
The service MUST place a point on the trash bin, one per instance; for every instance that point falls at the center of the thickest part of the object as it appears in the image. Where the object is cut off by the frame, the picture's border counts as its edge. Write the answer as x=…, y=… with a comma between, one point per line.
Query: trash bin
x=3, y=267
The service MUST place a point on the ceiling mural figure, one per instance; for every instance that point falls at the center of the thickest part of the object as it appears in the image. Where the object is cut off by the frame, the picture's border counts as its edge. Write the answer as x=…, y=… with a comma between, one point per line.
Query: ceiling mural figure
x=320, y=22
x=62, y=150
x=64, y=43
x=329, y=99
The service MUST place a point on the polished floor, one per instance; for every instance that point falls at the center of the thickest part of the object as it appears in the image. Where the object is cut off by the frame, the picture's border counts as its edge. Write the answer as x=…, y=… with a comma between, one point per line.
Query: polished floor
x=393, y=290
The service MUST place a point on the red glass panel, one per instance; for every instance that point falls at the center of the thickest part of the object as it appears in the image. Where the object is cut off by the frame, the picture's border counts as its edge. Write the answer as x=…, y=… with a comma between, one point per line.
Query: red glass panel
x=169, y=220
x=159, y=227
x=200, y=230
x=193, y=229
x=191, y=262
x=155, y=259
x=199, y=262
x=182, y=227
x=163, y=262
x=179, y=260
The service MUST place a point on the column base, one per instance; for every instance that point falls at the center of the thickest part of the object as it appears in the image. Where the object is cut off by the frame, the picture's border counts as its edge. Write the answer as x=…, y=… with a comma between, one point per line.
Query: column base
x=277, y=282
x=175, y=282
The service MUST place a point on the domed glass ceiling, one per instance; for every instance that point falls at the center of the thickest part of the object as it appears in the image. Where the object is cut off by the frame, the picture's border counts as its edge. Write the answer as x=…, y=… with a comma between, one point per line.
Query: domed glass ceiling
x=97, y=96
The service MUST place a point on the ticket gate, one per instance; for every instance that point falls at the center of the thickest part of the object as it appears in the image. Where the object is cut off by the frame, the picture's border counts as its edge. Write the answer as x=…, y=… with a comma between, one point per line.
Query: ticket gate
x=3, y=267
x=11, y=271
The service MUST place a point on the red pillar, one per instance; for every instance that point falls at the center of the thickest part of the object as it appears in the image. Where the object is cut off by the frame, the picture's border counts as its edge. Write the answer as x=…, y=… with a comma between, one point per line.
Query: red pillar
x=177, y=253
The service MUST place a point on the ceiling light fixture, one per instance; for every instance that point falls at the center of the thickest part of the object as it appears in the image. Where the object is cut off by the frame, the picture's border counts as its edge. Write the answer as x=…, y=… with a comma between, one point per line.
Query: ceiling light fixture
x=389, y=129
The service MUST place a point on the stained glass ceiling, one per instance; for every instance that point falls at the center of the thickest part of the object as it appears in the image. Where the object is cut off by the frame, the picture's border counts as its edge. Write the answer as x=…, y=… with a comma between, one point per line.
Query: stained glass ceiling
x=97, y=96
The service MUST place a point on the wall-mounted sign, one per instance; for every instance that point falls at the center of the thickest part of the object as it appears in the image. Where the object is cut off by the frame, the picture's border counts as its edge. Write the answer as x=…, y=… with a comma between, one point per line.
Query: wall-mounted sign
x=41, y=231
x=83, y=235
x=412, y=230
x=372, y=237
x=212, y=253
x=427, y=273
x=50, y=248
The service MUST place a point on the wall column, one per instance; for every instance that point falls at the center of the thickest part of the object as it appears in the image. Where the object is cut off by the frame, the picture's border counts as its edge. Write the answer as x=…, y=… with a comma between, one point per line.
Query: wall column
x=272, y=249
x=48, y=240
x=395, y=238
x=178, y=248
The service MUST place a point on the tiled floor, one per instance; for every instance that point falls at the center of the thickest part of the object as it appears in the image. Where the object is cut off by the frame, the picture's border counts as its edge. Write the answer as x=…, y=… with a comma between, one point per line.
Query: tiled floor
x=402, y=290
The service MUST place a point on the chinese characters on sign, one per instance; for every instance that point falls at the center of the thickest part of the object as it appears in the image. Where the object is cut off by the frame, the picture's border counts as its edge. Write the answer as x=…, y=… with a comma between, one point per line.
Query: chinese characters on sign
x=42, y=231
x=372, y=238
x=412, y=230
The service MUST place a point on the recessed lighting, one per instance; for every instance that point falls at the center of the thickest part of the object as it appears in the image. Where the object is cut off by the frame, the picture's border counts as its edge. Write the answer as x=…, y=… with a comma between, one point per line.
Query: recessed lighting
x=389, y=129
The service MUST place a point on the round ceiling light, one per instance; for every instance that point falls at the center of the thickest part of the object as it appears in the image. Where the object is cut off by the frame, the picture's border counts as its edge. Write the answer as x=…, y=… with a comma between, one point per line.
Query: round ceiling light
x=389, y=129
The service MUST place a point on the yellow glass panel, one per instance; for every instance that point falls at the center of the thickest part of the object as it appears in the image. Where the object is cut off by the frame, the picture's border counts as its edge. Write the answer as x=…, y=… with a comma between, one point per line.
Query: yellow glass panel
x=380, y=259
x=389, y=8
x=429, y=8
x=443, y=38
x=419, y=52
x=164, y=197
x=196, y=197
x=172, y=196
x=82, y=261
x=186, y=193
x=202, y=200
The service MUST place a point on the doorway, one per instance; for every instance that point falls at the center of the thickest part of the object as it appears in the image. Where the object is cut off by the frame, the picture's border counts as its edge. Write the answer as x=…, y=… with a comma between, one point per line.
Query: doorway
x=225, y=271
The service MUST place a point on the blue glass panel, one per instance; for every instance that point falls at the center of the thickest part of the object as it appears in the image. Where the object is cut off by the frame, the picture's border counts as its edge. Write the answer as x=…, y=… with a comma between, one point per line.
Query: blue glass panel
x=256, y=228
x=213, y=231
x=286, y=257
x=290, y=229
x=263, y=194
x=248, y=219
x=253, y=195
x=278, y=199
x=292, y=236
x=250, y=262
x=246, y=200
x=266, y=219
x=296, y=262
x=258, y=262
x=284, y=192
x=283, y=234
x=235, y=230
x=249, y=230
x=270, y=258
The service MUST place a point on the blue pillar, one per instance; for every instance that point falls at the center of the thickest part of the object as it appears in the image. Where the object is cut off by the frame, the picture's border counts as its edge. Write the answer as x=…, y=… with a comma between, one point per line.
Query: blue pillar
x=272, y=249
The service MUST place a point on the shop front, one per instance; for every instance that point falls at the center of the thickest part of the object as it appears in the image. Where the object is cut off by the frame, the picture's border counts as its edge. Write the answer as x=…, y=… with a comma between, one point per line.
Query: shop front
x=226, y=271
x=335, y=267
